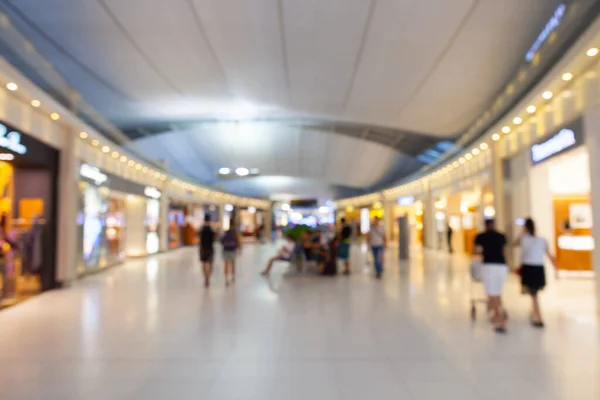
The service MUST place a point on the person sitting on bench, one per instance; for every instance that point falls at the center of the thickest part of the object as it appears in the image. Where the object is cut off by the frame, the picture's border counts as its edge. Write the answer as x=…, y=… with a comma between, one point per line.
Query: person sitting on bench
x=284, y=254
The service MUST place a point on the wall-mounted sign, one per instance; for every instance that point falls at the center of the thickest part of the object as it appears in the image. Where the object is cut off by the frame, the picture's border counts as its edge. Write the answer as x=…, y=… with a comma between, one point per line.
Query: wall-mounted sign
x=92, y=173
x=550, y=26
x=152, y=192
x=11, y=140
x=406, y=201
x=563, y=140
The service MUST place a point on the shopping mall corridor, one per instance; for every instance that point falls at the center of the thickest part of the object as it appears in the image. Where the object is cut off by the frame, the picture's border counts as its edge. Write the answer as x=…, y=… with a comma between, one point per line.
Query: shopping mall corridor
x=150, y=330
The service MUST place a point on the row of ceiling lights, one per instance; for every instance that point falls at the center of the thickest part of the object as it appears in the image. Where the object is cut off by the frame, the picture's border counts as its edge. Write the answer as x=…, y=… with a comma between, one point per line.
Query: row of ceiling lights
x=240, y=171
x=13, y=87
x=546, y=95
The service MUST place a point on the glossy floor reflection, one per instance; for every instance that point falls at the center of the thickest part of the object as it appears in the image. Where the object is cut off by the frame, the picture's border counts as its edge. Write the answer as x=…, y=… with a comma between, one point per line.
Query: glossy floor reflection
x=149, y=330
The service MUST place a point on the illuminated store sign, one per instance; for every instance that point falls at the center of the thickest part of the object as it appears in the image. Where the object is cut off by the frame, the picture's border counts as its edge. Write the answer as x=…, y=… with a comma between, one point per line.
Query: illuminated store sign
x=551, y=25
x=93, y=174
x=406, y=201
x=11, y=140
x=563, y=140
x=152, y=192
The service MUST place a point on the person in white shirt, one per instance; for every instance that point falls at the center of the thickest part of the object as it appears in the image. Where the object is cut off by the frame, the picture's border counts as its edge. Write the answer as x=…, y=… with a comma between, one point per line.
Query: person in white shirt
x=284, y=254
x=533, y=276
x=377, y=241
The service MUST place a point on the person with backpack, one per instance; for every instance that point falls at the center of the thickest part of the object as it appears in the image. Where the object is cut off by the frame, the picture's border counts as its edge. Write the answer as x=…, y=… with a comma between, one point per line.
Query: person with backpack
x=207, y=249
x=231, y=246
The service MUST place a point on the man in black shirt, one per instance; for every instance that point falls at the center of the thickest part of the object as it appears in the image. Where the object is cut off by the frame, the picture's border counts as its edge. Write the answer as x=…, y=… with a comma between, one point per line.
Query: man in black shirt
x=207, y=250
x=492, y=245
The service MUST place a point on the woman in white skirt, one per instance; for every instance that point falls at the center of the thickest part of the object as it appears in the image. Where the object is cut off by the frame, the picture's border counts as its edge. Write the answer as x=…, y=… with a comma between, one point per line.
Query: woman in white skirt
x=492, y=246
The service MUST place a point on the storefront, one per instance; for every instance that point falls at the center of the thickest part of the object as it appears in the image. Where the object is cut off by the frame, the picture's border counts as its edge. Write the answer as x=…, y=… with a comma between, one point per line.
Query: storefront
x=559, y=179
x=28, y=186
x=117, y=218
x=411, y=209
x=184, y=220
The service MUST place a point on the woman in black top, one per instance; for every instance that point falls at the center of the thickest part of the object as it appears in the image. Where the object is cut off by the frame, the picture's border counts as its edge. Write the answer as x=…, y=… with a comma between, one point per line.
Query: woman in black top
x=207, y=250
x=492, y=246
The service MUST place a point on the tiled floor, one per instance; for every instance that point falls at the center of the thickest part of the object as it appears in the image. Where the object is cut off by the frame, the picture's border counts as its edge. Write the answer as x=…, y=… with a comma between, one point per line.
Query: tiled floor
x=149, y=330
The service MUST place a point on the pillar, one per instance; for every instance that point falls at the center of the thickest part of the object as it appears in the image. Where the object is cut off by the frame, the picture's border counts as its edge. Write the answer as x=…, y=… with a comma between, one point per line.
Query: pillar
x=68, y=198
x=429, y=213
x=388, y=220
x=163, y=225
x=591, y=126
x=221, y=217
x=497, y=180
x=268, y=222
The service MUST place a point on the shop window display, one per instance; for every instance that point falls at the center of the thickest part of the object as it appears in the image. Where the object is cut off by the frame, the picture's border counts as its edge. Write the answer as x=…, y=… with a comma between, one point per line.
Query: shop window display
x=27, y=211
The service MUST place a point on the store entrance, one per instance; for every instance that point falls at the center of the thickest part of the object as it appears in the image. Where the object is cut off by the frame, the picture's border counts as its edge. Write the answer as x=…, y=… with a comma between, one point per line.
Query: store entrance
x=27, y=219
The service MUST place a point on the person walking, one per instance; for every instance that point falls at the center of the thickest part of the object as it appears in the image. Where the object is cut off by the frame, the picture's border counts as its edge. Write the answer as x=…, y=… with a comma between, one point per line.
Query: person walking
x=492, y=245
x=232, y=245
x=449, y=233
x=207, y=249
x=533, y=276
x=377, y=242
x=344, y=245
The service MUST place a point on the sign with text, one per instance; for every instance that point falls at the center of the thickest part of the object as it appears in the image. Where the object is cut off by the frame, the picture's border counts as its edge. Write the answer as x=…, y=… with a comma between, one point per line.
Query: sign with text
x=11, y=140
x=565, y=139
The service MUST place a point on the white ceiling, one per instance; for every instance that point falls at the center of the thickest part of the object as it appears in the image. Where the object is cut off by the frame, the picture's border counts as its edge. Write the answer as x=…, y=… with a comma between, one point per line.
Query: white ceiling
x=428, y=66
x=424, y=65
x=275, y=149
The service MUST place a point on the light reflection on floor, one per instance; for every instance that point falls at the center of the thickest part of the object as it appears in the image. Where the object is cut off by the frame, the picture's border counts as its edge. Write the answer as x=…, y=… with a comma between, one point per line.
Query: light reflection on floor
x=149, y=330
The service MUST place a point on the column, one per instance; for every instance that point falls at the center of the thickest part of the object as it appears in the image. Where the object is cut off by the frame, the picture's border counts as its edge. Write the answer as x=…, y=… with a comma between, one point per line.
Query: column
x=163, y=225
x=429, y=214
x=388, y=220
x=591, y=125
x=221, y=217
x=497, y=180
x=68, y=199
x=268, y=222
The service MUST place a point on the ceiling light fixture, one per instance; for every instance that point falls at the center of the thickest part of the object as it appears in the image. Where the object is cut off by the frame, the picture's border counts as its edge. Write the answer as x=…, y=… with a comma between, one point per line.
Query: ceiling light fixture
x=145, y=169
x=531, y=109
x=123, y=159
x=35, y=103
x=547, y=95
x=54, y=116
x=468, y=156
x=593, y=52
x=495, y=137
x=475, y=151
x=517, y=120
x=241, y=171
x=567, y=76
x=138, y=166
x=115, y=154
x=95, y=143
x=131, y=163
x=224, y=171
x=254, y=171
x=105, y=149
x=12, y=86
x=505, y=129
x=483, y=146
x=285, y=207
x=455, y=164
x=83, y=135
x=462, y=160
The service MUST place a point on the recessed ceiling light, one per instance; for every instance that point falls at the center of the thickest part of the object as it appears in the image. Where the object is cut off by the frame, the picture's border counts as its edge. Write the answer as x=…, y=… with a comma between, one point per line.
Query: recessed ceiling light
x=123, y=159
x=138, y=166
x=254, y=171
x=461, y=160
x=285, y=207
x=455, y=164
x=224, y=171
x=567, y=76
x=483, y=146
x=145, y=169
x=105, y=149
x=505, y=129
x=241, y=171
x=131, y=163
x=55, y=116
x=157, y=174
x=83, y=135
x=12, y=86
x=35, y=103
x=468, y=156
x=593, y=52
x=495, y=137
x=95, y=143
x=531, y=109
x=115, y=154
x=517, y=120
x=547, y=95
x=475, y=151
